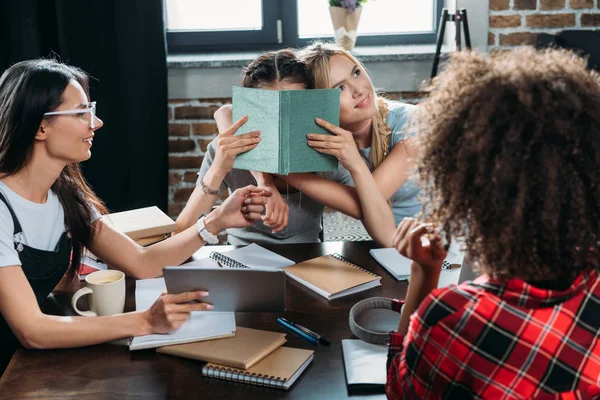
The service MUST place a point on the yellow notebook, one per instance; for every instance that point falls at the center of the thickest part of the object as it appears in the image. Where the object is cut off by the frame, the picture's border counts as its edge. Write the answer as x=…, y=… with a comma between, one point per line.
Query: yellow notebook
x=245, y=349
x=141, y=223
x=280, y=369
x=333, y=276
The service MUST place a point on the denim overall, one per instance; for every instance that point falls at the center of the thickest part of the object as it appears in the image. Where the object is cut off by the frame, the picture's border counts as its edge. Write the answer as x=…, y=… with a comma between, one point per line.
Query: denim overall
x=43, y=269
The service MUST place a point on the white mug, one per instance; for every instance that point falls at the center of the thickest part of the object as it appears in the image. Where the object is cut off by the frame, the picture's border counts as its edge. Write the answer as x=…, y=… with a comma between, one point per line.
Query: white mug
x=107, y=290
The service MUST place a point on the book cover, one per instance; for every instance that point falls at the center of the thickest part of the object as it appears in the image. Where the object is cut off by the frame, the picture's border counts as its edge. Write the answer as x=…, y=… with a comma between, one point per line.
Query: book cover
x=279, y=369
x=141, y=222
x=245, y=349
x=284, y=118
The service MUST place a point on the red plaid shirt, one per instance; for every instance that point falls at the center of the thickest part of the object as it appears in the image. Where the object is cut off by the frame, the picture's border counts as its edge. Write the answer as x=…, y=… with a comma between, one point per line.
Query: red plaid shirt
x=492, y=340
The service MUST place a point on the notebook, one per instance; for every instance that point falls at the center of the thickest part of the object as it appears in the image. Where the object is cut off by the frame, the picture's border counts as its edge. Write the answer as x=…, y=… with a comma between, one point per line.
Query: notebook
x=245, y=349
x=251, y=256
x=399, y=266
x=141, y=223
x=333, y=276
x=280, y=369
x=202, y=325
x=364, y=364
x=284, y=118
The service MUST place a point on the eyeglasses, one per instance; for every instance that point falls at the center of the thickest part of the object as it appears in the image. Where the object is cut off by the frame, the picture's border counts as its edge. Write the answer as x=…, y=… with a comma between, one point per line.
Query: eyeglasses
x=87, y=115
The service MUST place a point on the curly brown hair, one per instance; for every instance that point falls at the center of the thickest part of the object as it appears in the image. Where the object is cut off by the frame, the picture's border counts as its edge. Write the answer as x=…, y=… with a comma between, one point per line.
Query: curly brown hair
x=510, y=160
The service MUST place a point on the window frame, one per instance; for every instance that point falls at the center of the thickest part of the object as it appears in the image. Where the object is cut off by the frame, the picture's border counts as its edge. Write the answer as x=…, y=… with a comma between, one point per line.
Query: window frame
x=280, y=29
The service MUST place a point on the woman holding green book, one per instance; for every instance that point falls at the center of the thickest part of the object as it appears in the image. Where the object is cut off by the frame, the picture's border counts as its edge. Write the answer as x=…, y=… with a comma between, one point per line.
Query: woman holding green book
x=297, y=219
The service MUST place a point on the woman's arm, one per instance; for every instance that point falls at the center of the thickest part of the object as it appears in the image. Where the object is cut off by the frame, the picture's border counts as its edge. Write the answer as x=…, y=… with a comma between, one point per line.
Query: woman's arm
x=226, y=149
x=36, y=330
x=241, y=209
x=416, y=241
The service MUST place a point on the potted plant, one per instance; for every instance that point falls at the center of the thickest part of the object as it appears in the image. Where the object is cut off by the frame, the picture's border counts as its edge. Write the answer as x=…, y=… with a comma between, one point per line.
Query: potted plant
x=345, y=15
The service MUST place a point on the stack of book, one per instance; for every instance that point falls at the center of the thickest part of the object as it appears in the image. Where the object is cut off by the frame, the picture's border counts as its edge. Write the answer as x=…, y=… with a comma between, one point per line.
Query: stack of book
x=251, y=356
x=146, y=226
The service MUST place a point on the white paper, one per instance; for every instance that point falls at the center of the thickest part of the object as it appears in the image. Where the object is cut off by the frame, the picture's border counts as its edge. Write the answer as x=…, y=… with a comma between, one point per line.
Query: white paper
x=364, y=362
x=255, y=256
x=202, y=325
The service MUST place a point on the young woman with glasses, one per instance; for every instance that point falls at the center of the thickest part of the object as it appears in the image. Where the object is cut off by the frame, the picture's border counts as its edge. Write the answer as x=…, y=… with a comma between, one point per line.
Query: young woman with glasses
x=48, y=212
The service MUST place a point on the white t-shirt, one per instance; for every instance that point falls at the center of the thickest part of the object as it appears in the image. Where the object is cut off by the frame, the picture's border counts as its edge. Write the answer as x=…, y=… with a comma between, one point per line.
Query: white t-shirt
x=42, y=224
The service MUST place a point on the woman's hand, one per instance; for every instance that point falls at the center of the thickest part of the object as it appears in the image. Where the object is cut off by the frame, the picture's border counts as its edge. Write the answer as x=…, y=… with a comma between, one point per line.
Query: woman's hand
x=170, y=311
x=241, y=209
x=229, y=146
x=341, y=144
x=416, y=240
x=276, y=209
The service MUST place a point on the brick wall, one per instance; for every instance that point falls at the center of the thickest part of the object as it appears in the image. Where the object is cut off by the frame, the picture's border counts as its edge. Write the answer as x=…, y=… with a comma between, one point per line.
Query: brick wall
x=191, y=128
x=518, y=22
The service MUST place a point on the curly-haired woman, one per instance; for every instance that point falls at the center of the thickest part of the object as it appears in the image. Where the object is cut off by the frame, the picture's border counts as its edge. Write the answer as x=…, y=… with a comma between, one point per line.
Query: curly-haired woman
x=510, y=156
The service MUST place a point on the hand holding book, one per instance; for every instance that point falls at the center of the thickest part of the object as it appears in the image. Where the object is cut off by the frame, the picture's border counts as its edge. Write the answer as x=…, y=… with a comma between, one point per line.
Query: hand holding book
x=341, y=144
x=229, y=146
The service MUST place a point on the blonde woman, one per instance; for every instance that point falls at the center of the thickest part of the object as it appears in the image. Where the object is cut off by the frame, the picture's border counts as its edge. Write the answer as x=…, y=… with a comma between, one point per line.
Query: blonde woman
x=371, y=142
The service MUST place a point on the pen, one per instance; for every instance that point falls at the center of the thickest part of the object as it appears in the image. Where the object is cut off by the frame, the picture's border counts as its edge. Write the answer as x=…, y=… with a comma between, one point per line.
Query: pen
x=283, y=322
x=297, y=328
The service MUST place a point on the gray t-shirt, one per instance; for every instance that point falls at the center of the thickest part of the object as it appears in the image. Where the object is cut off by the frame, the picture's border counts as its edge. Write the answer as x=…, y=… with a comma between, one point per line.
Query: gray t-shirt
x=42, y=224
x=304, y=217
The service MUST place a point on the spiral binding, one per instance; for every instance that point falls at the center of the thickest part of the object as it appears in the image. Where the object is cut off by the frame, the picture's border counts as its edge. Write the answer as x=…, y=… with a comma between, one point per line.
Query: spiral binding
x=226, y=261
x=242, y=376
x=340, y=257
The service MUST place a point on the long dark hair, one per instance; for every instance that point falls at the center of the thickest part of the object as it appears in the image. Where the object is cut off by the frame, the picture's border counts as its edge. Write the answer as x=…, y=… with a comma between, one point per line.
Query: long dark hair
x=275, y=67
x=28, y=90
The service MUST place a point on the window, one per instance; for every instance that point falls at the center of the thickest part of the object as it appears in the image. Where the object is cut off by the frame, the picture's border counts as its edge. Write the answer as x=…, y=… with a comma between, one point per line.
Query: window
x=237, y=25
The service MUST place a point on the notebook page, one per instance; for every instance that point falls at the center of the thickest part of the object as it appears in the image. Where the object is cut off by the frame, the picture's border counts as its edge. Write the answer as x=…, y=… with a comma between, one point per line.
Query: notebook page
x=201, y=325
x=255, y=256
x=364, y=362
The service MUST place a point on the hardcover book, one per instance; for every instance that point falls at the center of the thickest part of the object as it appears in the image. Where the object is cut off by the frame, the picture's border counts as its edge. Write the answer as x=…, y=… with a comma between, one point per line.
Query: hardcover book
x=284, y=118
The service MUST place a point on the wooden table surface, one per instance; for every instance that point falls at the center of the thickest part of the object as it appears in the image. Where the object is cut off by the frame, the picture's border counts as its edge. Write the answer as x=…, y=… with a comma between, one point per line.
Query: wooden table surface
x=112, y=372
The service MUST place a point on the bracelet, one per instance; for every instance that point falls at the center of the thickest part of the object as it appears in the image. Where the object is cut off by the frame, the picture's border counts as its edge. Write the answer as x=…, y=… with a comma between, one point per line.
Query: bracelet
x=207, y=190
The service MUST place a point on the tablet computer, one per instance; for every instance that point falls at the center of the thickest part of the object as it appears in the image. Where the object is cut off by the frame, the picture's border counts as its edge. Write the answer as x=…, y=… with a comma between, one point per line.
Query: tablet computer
x=231, y=289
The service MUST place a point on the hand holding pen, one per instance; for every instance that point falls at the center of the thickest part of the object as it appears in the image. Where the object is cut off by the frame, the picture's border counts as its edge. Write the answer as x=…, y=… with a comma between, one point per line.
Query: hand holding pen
x=303, y=332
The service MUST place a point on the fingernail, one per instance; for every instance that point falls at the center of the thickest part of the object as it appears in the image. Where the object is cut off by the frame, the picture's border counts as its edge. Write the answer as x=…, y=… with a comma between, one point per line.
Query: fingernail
x=310, y=136
x=318, y=119
x=209, y=307
x=203, y=294
x=244, y=209
x=247, y=201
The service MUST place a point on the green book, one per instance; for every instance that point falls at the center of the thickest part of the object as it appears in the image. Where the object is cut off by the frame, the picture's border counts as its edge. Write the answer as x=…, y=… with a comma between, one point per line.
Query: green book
x=284, y=118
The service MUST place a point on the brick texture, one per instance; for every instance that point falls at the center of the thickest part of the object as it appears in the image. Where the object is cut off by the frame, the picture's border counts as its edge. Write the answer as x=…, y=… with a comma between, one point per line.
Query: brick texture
x=552, y=4
x=191, y=112
x=204, y=129
x=550, y=20
x=578, y=4
x=499, y=5
x=505, y=21
x=179, y=130
x=590, y=20
x=525, y=5
x=537, y=17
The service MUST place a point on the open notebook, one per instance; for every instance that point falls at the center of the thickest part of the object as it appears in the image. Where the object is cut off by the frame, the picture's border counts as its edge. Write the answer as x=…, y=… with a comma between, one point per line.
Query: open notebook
x=251, y=256
x=245, y=349
x=280, y=369
x=202, y=325
x=332, y=276
x=399, y=266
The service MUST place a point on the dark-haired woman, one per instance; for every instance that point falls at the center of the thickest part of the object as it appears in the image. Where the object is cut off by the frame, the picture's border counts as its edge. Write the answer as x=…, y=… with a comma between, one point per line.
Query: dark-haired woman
x=510, y=157
x=297, y=220
x=47, y=212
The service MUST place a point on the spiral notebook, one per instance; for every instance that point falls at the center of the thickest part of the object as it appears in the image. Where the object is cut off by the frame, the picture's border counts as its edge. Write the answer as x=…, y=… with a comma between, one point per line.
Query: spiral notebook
x=280, y=369
x=251, y=256
x=333, y=276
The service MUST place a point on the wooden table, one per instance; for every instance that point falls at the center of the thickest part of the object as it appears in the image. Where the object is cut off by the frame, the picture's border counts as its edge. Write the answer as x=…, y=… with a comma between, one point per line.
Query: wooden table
x=112, y=372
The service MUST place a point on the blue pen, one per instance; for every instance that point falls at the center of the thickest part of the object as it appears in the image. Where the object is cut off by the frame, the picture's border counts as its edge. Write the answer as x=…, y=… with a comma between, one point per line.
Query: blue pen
x=285, y=324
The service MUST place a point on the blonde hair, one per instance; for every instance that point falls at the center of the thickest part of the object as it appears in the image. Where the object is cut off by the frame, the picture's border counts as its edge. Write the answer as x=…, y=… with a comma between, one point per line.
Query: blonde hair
x=317, y=57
